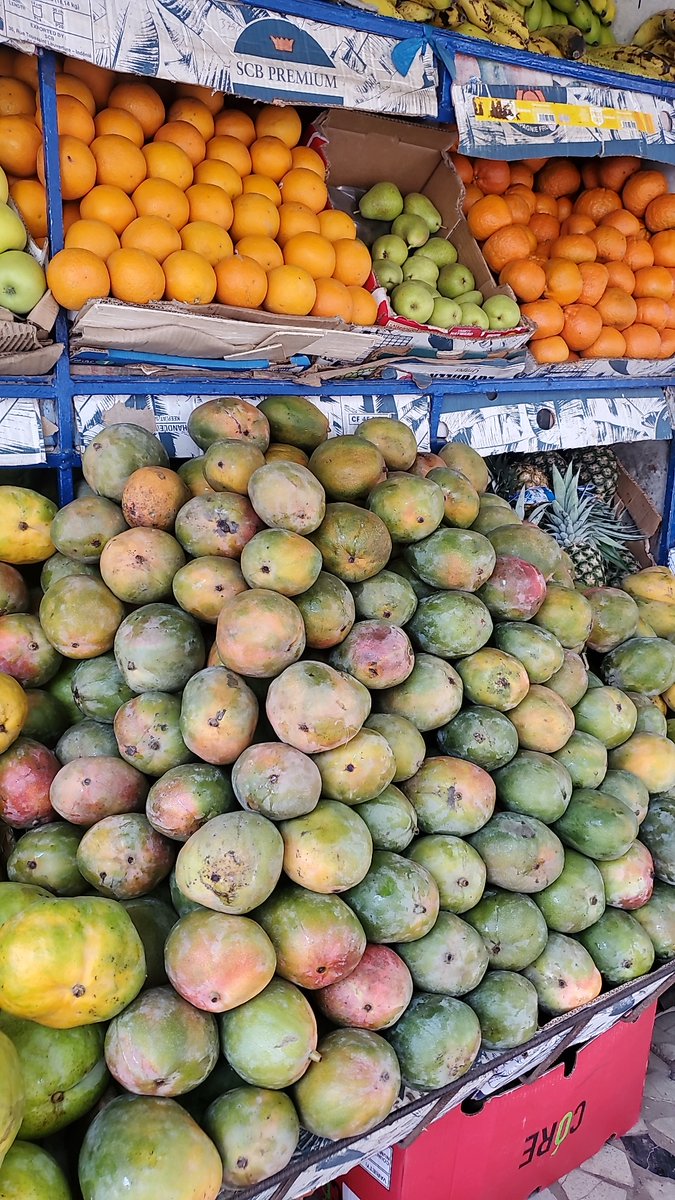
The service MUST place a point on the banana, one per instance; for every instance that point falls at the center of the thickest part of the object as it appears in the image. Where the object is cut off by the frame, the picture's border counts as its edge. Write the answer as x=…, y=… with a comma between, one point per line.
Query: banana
x=533, y=15
x=568, y=40
x=640, y=61
x=593, y=34
x=547, y=15
x=582, y=16
x=649, y=30
x=410, y=10
x=609, y=15
x=665, y=46
x=508, y=37
x=606, y=36
x=557, y=18
x=477, y=13
x=504, y=16
x=469, y=30
x=452, y=17
x=668, y=17
x=543, y=45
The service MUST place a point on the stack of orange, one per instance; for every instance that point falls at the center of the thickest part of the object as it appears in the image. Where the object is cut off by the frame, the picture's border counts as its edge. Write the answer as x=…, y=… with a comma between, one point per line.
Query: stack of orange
x=588, y=247
x=193, y=203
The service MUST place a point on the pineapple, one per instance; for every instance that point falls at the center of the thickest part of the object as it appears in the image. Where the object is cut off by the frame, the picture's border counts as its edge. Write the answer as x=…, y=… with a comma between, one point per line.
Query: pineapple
x=591, y=532
x=597, y=466
x=513, y=472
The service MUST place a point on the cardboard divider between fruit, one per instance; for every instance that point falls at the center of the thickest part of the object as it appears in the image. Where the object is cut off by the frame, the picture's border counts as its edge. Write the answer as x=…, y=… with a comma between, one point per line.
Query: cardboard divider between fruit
x=26, y=345
x=317, y=1161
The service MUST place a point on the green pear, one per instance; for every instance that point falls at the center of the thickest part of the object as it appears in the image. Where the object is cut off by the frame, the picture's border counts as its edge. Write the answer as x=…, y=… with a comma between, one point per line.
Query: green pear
x=474, y=316
x=474, y=297
x=383, y=202
x=414, y=301
x=446, y=314
x=414, y=230
x=387, y=273
x=391, y=247
x=440, y=251
x=502, y=312
x=420, y=206
x=454, y=280
x=419, y=267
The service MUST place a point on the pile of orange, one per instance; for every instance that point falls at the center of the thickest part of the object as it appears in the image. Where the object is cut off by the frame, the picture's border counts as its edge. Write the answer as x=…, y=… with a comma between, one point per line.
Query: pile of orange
x=588, y=248
x=183, y=200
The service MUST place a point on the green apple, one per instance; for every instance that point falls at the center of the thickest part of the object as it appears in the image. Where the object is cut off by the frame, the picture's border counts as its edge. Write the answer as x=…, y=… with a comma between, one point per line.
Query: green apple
x=387, y=273
x=383, y=202
x=12, y=230
x=414, y=301
x=502, y=312
x=419, y=267
x=391, y=247
x=474, y=316
x=4, y=186
x=440, y=251
x=454, y=280
x=22, y=282
x=446, y=314
x=420, y=206
x=413, y=230
x=473, y=297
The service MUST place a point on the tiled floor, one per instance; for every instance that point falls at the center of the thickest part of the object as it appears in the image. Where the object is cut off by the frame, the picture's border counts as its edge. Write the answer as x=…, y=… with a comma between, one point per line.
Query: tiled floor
x=641, y=1165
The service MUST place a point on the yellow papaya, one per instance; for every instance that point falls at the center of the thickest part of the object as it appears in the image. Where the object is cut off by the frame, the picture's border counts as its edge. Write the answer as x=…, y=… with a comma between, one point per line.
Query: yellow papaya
x=25, y=522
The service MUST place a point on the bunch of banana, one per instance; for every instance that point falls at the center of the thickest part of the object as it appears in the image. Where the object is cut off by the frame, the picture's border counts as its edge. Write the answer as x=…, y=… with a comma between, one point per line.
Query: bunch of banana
x=651, y=51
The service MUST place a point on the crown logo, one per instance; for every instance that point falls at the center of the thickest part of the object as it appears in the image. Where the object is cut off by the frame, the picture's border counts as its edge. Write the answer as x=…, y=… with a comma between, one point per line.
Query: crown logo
x=282, y=43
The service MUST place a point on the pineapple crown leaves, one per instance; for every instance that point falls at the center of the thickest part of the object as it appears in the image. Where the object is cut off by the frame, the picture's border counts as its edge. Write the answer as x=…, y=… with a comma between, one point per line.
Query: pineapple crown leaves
x=577, y=517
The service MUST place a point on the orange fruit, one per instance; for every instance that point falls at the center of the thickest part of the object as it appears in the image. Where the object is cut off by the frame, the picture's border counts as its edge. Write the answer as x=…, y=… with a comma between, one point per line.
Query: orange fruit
x=155, y=235
x=304, y=156
x=70, y=85
x=227, y=149
x=262, y=186
x=24, y=66
x=563, y=281
x=135, y=277
x=577, y=247
x=660, y=214
x=654, y=281
x=353, y=263
x=195, y=112
x=296, y=218
x=333, y=299
x=488, y=215
x=118, y=120
x=99, y=80
x=545, y=204
x=521, y=173
x=271, y=157
x=304, y=187
x=291, y=291
x=621, y=276
x=364, y=306
x=613, y=172
x=334, y=225
x=280, y=121
x=639, y=253
x=519, y=189
x=31, y=200
x=595, y=278
x=19, y=144
x=207, y=239
x=596, y=203
x=73, y=118
x=667, y=343
x=559, y=177
x=463, y=166
x=161, y=198
x=210, y=203
x=234, y=123
x=221, y=175
x=254, y=214
x=576, y=223
x=544, y=227
x=471, y=195
x=142, y=101
x=670, y=322
x=625, y=222
x=583, y=325
x=75, y=276
x=118, y=161
x=652, y=311
x=609, y=243
x=518, y=207
x=16, y=97
x=195, y=91
x=78, y=167
x=617, y=308
x=312, y=252
x=662, y=244
x=609, y=344
x=110, y=205
x=186, y=136
x=641, y=188
x=190, y=279
x=94, y=236
x=547, y=316
x=263, y=250
x=565, y=208
x=165, y=160
x=526, y=278
x=492, y=177
x=240, y=281
x=507, y=244
x=550, y=350
x=642, y=341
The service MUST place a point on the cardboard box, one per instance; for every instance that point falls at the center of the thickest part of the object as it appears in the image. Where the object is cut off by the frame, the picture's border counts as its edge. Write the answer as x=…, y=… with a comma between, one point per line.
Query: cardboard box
x=505, y=1147
x=26, y=345
x=361, y=150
